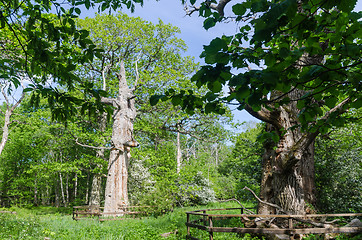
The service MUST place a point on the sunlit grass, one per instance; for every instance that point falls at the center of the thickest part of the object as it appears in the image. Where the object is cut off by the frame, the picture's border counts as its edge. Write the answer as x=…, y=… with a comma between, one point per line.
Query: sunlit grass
x=57, y=223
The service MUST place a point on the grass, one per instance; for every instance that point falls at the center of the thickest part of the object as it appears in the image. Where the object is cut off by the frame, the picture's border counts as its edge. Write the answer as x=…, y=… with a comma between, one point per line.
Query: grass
x=57, y=223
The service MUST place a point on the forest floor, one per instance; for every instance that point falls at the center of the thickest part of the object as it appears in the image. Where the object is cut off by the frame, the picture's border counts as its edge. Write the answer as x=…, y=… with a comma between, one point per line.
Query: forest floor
x=56, y=223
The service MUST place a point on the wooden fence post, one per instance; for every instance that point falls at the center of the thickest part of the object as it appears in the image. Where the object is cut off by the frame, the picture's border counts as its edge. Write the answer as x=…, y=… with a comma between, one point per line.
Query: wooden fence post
x=211, y=234
x=188, y=227
x=291, y=235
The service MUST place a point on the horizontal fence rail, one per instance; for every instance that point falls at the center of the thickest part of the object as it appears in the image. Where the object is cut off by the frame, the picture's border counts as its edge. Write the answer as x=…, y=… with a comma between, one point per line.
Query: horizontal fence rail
x=205, y=221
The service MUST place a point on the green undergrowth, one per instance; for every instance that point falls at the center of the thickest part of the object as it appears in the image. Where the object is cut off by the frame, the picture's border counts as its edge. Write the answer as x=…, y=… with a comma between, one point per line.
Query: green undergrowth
x=57, y=223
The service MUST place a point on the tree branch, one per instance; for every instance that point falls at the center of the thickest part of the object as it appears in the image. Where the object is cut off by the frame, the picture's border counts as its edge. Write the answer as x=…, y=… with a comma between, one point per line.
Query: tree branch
x=263, y=202
x=108, y=101
x=264, y=115
x=92, y=147
x=219, y=7
x=241, y=205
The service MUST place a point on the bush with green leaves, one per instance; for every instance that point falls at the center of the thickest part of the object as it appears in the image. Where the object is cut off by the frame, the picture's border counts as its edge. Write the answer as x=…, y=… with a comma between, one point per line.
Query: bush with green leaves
x=243, y=165
x=339, y=170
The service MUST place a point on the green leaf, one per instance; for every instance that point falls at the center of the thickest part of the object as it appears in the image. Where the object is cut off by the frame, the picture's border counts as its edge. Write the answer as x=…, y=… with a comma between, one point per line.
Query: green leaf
x=330, y=101
x=176, y=100
x=155, y=98
x=239, y=9
x=28, y=89
x=87, y=3
x=210, y=107
x=357, y=103
x=209, y=23
x=77, y=10
x=346, y=5
x=284, y=52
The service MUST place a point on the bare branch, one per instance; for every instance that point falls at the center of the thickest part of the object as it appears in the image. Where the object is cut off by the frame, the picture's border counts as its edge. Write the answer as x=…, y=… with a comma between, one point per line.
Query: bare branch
x=4, y=94
x=109, y=101
x=104, y=71
x=263, y=202
x=137, y=74
x=92, y=147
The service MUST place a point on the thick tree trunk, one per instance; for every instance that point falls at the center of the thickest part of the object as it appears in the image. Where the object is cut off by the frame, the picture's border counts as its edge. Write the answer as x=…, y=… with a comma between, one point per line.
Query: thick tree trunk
x=116, y=194
x=288, y=166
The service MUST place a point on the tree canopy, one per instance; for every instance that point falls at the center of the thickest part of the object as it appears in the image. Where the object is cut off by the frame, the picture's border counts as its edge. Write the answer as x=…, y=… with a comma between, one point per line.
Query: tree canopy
x=314, y=46
x=40, y=41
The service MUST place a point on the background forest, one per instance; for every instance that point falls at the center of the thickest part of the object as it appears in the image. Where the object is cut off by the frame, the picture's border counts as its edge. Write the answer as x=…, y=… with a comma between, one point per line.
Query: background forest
x=85, y=93
x=182, y=160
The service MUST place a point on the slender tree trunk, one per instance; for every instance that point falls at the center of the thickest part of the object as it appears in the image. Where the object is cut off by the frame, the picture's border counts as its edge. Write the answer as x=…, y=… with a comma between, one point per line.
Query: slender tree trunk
x=75, y=186
x=116, y=194
x=56, y=192
x=178, y=153
x=217, y=154
x=9, y=111
x=62, y=189
x=67, y=188
x=87, y=189
x=5, y=129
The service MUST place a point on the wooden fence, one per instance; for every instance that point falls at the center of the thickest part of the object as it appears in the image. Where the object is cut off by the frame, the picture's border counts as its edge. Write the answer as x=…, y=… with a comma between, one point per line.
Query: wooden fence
x=96, y=213
x=207, y=222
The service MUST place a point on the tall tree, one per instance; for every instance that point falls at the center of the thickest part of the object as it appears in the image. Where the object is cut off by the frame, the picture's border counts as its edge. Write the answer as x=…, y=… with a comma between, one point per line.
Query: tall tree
x=300, y=73
x=150, y=56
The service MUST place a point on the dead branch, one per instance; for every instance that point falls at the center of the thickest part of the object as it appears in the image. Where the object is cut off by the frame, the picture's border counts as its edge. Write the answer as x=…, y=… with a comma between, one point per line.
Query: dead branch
x=92, y=147
x=264, y=202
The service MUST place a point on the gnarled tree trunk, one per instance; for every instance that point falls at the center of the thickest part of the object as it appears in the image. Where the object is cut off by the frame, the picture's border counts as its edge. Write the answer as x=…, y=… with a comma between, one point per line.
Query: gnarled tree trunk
x=116, y=194
x=288, y=166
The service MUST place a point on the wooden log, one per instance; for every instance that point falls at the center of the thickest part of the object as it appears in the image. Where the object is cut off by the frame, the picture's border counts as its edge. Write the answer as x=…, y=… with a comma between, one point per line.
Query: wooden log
x=286, y=230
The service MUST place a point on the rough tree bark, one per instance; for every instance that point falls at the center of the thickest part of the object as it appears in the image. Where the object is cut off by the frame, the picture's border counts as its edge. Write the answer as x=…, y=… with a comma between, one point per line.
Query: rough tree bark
x=288, y=166
x=116, y=194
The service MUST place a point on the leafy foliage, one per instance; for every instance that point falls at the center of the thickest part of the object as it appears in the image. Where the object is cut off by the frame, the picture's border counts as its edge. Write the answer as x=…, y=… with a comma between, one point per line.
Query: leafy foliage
x=47, y=47
x=338, y=170
x=243, y=165
x=279, y=35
